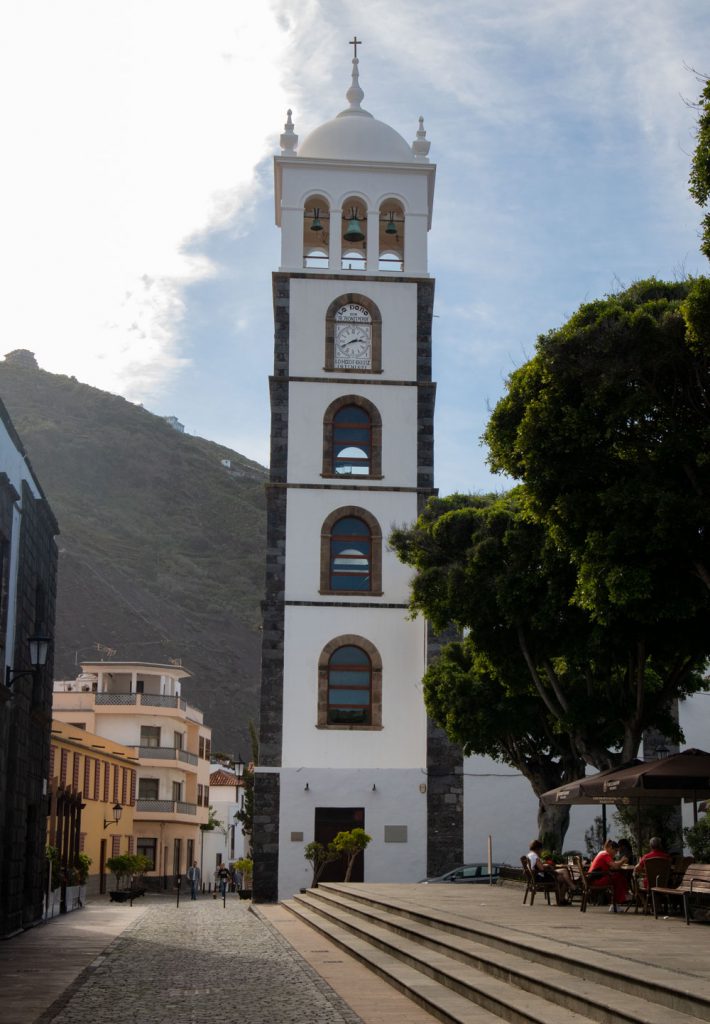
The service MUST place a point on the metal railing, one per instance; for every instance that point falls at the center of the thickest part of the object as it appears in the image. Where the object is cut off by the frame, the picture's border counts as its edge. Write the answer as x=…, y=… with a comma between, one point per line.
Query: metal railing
x=116, y=698
x=168, y=754
x=166, y=807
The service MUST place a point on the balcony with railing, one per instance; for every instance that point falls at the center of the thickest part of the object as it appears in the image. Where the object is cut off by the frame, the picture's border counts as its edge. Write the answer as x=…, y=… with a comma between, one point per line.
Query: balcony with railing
x=167, y=754
x=165, y=807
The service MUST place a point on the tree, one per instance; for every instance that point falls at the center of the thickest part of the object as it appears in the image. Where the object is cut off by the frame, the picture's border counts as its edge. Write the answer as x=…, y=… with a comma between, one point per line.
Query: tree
x=350, y=844
x=245, y=814
x=700, y=168
x=318, y=856
x=535, y=682
x=608, y=426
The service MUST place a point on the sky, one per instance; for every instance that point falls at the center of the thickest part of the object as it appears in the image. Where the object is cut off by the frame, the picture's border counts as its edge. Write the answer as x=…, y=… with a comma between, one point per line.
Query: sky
x=136, y=187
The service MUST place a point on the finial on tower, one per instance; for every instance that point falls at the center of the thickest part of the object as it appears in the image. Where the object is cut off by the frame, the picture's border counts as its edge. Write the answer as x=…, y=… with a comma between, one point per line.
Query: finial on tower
x=355, y=95
x=421, y=145
x=289, y=139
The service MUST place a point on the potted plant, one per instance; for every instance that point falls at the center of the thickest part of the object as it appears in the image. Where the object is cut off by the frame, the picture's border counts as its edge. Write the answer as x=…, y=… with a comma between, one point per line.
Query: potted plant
x=245, y=866
x=351, y=844
x=121, y=866
x=318, y=856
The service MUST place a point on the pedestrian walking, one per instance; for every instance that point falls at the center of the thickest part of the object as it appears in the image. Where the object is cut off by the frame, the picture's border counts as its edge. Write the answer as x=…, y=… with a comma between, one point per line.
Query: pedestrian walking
x=224, y=879
x=194, y=876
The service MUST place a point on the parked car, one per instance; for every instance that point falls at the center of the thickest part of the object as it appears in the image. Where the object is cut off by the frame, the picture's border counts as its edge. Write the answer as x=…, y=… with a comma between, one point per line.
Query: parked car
x=467, y=873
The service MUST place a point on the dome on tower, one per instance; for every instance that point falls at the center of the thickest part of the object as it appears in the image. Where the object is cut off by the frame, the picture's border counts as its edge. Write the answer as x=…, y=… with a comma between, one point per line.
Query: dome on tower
x=356, y=135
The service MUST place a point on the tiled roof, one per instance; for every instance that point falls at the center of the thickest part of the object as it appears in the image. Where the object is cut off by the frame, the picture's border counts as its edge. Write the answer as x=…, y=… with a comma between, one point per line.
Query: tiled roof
x=222, y=778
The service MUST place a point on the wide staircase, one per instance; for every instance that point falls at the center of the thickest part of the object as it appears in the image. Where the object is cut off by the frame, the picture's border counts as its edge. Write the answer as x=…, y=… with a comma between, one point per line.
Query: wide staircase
x=466, y=968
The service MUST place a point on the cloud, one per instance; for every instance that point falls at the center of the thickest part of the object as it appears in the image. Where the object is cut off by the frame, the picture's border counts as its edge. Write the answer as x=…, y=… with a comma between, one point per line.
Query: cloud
x=137, y=127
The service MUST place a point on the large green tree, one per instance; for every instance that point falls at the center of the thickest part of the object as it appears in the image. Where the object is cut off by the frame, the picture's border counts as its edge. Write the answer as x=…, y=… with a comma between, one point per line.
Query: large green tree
x=536, y=682
x=608, y=426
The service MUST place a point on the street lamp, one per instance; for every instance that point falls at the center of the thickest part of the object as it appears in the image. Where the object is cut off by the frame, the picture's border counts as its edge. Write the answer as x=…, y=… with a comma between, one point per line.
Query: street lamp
x=39, y=645
x=238, y=772
x=117, y=812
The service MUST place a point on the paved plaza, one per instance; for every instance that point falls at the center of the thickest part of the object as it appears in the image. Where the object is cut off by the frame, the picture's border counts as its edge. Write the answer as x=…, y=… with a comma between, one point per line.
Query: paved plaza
x=199, y=962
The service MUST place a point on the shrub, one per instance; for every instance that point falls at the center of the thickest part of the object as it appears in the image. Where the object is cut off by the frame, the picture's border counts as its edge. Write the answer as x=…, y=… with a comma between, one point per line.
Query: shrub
x=697, y=838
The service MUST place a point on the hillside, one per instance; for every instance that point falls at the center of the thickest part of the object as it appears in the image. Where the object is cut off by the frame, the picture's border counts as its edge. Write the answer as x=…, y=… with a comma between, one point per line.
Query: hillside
x=161, y=549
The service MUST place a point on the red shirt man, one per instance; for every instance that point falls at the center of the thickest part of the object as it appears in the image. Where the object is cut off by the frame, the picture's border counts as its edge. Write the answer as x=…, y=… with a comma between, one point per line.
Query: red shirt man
x=655, y=853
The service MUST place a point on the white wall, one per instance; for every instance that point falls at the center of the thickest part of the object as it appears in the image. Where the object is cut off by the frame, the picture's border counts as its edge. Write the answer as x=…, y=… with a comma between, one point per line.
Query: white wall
x=402, y=740
x=500, y=801
x=397, y=407
x=310, y=298
x=397, y=800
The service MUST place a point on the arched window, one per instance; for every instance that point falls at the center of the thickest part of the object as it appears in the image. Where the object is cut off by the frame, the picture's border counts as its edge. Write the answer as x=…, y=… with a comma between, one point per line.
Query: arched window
x=351, y=553
x=391, y=236
x=350, y=684
x=316, y=232
x=349, y=687
x=354, y=235
x=352, y=438
x=353, y=335
x=352, y=442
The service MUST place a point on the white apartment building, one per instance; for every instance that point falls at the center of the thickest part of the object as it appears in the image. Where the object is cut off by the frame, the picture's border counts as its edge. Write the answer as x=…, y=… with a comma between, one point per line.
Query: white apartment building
x=139, y=705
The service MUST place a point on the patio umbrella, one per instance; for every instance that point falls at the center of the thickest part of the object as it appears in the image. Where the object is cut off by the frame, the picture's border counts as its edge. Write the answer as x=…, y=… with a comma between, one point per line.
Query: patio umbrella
x=681, y=776
x=667, y=780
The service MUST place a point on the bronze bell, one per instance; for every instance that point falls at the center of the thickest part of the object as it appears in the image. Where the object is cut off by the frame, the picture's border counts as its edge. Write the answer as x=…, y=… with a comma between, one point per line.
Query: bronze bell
x=391, y=228
x=316, y=225
x=353, y=232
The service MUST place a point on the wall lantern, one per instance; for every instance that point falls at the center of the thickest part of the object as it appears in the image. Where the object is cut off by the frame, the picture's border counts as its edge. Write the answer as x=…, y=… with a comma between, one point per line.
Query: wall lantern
x=117, y=812
x=38, y=645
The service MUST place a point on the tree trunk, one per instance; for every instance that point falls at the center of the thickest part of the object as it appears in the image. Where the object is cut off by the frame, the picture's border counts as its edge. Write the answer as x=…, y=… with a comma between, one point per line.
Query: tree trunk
x=552, y=825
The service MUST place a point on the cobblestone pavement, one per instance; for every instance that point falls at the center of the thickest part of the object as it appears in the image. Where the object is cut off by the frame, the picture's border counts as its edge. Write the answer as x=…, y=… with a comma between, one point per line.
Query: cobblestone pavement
x=199, y=963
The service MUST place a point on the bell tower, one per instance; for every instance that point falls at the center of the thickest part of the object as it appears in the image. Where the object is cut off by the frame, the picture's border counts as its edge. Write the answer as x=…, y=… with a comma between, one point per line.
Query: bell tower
x=344, y=738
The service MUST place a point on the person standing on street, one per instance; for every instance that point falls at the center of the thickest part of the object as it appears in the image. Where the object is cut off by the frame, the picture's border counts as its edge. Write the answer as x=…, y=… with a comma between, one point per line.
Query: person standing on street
x=194, y=876
x=224, y=879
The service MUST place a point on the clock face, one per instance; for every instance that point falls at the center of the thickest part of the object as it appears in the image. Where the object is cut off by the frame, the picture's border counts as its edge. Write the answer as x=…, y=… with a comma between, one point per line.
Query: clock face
x=353, y=338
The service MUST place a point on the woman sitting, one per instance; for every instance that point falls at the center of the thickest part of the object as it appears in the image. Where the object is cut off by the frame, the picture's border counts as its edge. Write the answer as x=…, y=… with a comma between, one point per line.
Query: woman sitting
x=544, y=872
x=605, y=870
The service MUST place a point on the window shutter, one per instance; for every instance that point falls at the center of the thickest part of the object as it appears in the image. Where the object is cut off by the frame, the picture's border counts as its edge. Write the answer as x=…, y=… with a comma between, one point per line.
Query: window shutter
x=87, y=778
x=97, y=778
x=82, y=841
x=130, y=843
x=75, y=771
x=124, y=786
x=115, y=783
x=115, y=846
x=107, y=771
x=133, y=787
x=63, y=768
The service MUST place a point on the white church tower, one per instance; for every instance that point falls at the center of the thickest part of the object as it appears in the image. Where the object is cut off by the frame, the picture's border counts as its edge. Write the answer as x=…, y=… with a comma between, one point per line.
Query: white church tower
x=344, y=738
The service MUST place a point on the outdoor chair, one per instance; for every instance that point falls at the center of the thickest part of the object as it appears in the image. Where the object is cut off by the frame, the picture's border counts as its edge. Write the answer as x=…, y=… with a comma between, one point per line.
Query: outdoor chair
x=657, y=872
x=534, y=885
x=588, y=890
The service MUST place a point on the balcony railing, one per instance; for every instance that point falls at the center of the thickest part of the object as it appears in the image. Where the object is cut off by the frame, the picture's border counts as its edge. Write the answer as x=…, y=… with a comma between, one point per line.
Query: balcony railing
x=168, y=754
x=150, y=700
x=165, y=807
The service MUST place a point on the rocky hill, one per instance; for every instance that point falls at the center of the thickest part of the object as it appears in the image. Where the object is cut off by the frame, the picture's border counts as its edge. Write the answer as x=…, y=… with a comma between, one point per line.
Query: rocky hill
x=161, y=550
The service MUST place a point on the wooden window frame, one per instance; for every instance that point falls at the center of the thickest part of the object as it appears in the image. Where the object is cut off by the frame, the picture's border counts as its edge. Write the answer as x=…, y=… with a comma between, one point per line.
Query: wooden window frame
x=350, y=640
x=354, y=511
x=329, y=438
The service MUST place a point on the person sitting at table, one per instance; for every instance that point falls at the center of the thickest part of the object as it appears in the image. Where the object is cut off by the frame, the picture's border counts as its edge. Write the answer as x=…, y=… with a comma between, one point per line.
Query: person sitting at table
x=655, y=853
x=626, y=850
x=547, y=873
x=605, y=870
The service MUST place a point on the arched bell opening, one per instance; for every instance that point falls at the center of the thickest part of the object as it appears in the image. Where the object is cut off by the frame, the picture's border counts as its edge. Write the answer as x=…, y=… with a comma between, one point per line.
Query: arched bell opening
x=316, y=232
x=354, y=235
x=391, y=240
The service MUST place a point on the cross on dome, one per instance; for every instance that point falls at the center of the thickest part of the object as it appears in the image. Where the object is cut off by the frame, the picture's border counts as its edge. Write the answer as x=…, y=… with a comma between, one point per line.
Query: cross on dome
x=355, y=42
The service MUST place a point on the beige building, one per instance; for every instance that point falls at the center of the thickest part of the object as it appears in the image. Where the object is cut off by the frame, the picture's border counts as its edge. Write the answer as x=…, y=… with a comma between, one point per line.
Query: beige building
x=139, y=705
x=101, y=776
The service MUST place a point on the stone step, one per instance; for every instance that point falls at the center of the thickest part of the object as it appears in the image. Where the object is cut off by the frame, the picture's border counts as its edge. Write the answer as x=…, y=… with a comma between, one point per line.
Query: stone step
x=437, y=999
x=476, y=970
x=668, y=988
